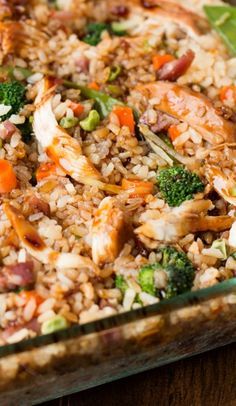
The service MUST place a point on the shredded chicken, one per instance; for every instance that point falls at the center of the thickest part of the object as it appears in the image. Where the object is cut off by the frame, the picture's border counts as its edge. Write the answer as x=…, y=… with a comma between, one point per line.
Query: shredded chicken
x=190, y=217
x=191, y=107
x=224, y=185
x=109, y=232
x=35, y=246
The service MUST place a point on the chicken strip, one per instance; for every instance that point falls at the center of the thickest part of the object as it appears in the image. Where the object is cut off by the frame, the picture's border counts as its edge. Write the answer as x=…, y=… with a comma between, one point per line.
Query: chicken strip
x=190, y=107
x=63, y=149
x=35, y=246
x=109, y=232
x=190, y=217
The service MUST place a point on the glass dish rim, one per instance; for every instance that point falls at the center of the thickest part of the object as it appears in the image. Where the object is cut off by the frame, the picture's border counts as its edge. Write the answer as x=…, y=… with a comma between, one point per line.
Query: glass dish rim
x=101, y=325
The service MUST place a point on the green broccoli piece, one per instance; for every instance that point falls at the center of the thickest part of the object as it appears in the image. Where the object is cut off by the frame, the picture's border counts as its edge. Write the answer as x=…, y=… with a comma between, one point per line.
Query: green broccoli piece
x=94, y=32
x=12, y=94
x=120, y=283
x=179, y=269
x=146, y=278
x=178, y=185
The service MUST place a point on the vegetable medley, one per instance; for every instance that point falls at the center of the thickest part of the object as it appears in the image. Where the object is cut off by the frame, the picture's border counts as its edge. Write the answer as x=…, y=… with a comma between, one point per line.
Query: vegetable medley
x=117, y=157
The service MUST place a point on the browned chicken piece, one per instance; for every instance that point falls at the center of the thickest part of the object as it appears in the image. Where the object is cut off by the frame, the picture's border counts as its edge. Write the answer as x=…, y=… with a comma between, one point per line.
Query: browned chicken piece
x=109, y=232
x=190, y=217
x=5, y=9
x=224, y=185
x=10, y=34
x=35, y=246
x=173, y=11
x=164, y=10
x=63, y=149
x=190, y=107
x=18, y=37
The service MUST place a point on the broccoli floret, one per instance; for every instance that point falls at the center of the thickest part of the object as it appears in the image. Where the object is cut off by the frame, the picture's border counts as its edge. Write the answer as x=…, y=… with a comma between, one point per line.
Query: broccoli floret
x=146, y=278
x=94, y=33
x=12, y=94
x=178, y=185
x=121, y=283
x=179, y=269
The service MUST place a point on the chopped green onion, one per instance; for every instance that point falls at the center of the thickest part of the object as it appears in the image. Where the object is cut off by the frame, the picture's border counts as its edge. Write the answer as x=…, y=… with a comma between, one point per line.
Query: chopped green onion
x=56, y=323
x=221, y=246
x=233, y=191
x=118, y=29
x=103, y=102
x=68, y=122
x=91, y=122
x=114, y=73
x=114, y=89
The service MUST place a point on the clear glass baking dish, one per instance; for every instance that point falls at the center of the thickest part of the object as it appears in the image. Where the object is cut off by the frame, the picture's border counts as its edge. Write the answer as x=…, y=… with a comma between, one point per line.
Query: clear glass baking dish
x=84, y=356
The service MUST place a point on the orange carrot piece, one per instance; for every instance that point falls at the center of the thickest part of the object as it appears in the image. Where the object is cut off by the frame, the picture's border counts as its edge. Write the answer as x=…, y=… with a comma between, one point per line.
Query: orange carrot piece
x=8, y=179
x=138, y=188
x=227, y=92
x=125, y=116
x=77, y=108
x=160, y=60
x=45, y=170
x=173, y=132
x=94, y=86
x=26, y=295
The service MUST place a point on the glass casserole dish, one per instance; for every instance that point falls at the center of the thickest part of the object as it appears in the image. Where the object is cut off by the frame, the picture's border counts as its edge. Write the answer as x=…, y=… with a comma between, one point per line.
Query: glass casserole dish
x=84, y=356
x=91, y=354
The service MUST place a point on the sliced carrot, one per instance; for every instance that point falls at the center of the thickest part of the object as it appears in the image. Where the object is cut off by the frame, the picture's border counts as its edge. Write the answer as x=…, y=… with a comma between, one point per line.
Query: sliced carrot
x=77, y=108
x=160, y=60
x=138, y=188
x=45, y=170
x=125, y=116
x=173, y=132
x=94, y=86
x=8, y=179
x=228, y=92
x=26, y=295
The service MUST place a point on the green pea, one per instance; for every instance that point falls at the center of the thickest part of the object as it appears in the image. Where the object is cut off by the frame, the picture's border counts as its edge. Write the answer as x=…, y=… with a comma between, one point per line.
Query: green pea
x=56, y=323
x=233, y=191
x=68, y=122
x=91, y=122
x=114, y=73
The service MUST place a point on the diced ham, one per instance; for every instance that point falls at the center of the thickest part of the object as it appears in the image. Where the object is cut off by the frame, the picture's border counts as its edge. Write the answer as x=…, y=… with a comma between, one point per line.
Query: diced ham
x=163, y=123
x=120, y=10
x=82, y=64
x=173, y=70
x=17, y=275
x=8, y=130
